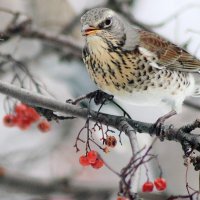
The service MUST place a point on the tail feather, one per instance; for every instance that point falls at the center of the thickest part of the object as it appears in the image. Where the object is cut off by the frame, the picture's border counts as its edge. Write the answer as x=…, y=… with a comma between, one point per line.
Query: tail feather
x=196, y=91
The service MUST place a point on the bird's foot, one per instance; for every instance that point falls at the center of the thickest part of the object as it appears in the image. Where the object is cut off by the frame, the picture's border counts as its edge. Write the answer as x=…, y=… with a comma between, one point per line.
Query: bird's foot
x=158, y=126
x=99, y=97
x=71, y=101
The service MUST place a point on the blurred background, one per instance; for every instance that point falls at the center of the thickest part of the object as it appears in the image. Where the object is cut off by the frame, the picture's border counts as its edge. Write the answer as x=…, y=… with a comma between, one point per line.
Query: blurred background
x=45, y=166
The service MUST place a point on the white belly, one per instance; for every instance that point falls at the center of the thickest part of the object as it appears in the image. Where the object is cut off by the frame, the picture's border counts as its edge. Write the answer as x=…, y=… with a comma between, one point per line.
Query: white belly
x=158, y=96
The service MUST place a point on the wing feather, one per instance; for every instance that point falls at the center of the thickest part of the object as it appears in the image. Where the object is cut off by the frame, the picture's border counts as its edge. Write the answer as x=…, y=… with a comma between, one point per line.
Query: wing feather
x=168, y=54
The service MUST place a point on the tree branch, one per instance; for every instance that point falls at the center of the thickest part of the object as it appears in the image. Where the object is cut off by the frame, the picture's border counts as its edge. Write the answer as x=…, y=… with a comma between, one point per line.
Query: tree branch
x=31, y=185
x=58, y=40
x=181, y=135
x=131, y=133
x=26, y=30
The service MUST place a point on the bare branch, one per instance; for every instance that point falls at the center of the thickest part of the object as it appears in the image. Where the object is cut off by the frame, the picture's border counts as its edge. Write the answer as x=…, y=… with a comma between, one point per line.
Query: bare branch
x=26, y=30
x=58, y=40
x=31, y=185
x=130, y=132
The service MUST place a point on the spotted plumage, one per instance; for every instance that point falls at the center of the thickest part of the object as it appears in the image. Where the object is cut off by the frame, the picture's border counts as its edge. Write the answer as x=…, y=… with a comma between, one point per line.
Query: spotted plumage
x=135, y=65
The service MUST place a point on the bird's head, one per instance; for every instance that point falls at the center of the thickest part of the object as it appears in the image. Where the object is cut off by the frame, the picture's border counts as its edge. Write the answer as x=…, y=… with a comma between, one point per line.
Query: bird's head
x=102, y=22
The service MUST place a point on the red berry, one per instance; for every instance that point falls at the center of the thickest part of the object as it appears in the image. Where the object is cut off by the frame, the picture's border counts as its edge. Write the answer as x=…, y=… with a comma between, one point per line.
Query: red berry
x=160, y=184
x=9, y=120
x=147, y=187
x=44, y=126
x=98, y=164
x=20, y=109
x=83, y=160
x=22, y=122
x=92, y=156
x=32, y=114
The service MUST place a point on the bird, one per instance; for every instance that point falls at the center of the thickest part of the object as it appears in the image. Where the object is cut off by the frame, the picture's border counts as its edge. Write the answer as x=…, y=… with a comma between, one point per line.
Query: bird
x=137, y=66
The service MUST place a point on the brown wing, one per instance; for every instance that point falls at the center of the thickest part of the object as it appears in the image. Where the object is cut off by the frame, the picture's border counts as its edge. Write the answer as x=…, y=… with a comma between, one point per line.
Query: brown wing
x=168, y=54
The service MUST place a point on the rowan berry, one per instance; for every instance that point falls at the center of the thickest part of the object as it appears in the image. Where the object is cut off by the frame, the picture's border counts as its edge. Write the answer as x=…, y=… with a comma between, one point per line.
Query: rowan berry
x=83, y=160
x=44, y=126
x=147, y=187
x=32, y=114
x=9, y=120
x=160, y=184
x=98, y=164
x=22, y=122
x=20, y=109
x=92, y=156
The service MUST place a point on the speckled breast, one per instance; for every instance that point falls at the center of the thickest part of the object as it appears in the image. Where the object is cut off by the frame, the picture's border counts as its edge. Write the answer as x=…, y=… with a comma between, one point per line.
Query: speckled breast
x=121, y=72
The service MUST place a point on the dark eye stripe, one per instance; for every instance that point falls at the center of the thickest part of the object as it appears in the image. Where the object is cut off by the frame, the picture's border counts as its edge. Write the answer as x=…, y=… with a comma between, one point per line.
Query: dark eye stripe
x=101, y=25
x=105, y=23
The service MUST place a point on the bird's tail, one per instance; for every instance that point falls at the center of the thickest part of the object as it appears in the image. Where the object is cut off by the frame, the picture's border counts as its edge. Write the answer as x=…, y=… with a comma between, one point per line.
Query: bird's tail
x=196, y=91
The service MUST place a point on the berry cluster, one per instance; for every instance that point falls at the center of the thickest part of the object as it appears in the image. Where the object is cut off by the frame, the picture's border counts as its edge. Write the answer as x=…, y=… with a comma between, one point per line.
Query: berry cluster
x=91, y=158
x=23, y=116
x=160, y=184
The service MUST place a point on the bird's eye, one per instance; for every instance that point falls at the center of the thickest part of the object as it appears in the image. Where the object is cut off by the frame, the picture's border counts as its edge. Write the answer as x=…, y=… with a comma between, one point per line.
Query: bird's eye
x=107, y=22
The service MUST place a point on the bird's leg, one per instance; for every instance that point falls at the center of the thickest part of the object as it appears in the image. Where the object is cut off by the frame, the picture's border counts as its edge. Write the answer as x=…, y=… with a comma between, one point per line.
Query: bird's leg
x=98, y=96
x=158, y=125
x=101, y=97
x=81, y=98
x=77, y=100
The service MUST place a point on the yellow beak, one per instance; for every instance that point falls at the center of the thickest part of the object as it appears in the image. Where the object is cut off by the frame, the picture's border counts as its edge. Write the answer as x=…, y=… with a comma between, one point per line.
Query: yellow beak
x=88, y=30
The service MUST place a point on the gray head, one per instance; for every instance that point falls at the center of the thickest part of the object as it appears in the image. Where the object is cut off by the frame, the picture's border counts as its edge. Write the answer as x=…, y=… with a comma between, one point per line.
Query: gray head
x=107, y=24
x=97, y=17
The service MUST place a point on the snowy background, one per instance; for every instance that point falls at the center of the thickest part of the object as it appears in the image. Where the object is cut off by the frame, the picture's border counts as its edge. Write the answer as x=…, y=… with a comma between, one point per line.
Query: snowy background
x=52, y=155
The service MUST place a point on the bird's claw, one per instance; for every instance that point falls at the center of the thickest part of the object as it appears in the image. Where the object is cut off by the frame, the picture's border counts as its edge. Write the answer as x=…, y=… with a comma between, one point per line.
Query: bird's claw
x=71, y=101
x=187, y=148
x=158, y=128
x=100, y=97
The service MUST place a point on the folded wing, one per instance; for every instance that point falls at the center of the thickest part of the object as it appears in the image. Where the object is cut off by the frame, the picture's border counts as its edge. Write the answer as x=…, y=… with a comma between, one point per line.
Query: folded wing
x=167, y=54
